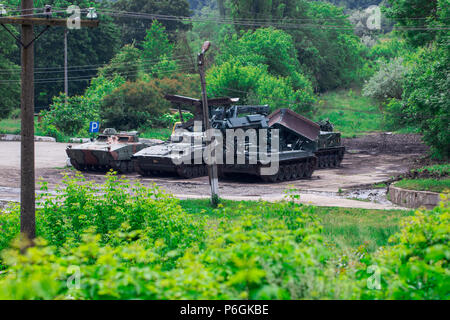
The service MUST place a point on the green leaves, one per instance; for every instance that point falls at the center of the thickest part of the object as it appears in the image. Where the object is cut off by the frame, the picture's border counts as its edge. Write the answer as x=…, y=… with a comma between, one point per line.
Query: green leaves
x=121, y=241
x=261, y=67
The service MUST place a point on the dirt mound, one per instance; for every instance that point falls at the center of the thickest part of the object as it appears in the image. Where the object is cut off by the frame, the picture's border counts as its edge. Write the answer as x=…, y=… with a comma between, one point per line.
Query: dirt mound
x=387, y=143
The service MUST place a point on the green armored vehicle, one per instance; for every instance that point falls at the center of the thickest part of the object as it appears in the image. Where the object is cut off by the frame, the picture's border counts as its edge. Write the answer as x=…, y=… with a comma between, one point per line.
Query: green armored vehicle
x=167, y=157
x=110, y=150
x=294, y=157
x=330, y=149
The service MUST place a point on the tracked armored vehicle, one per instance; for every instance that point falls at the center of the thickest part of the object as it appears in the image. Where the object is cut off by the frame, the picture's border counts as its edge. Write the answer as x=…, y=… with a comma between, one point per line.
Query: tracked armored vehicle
x=330, y=149
x=297, y=143
x=110, y=150
x=295, y=158
x=165, y=158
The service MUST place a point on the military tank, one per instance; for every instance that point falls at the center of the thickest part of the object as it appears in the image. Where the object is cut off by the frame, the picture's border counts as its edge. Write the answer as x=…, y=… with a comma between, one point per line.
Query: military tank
x=295, y=156
x=165, y=158
x=110, y=150
x=297, y=144
x=330, y=149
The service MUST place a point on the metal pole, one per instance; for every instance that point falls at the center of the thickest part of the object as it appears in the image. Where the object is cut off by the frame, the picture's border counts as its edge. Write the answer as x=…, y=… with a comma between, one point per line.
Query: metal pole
x=212, y=169
x=66, y=81
x=27, y=180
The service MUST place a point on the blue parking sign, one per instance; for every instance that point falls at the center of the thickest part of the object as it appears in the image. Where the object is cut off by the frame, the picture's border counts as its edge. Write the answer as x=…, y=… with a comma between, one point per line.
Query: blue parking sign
x=94, y=126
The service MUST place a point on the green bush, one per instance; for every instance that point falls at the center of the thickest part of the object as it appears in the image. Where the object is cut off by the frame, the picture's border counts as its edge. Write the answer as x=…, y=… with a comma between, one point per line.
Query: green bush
x=134, y=242
x=417, y=266
x=67, y=118
x=133, y=105
x=427, y=99
x=72, y=118
x=122, y=241
x=77, y=208
x=254, y=85
x=169, y=119
x=387, y=83
x=394, y=114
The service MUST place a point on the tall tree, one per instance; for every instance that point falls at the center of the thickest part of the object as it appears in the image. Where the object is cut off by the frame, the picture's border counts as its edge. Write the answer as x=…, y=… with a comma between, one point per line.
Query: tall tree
x=134, y=28
x=323, y=36
x=422, y=14
x=9, y=75
x=85, y=47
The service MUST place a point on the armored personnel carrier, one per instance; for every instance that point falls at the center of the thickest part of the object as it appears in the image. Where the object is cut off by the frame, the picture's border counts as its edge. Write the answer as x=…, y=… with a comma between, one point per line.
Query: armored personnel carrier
x=330, y=149
x=110, y=150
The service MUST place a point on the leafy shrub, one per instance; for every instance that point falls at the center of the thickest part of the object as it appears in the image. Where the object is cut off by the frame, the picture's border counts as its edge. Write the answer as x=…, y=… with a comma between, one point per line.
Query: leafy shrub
x=387, y=83
x=134, y=242
x=141, y=104
x=417, y=266
x=394, y=114
x=77, y=208
x=254, y=85
x=67, y=118
x=15, y=114
x=72, y=118
x=169, y=119
x=427, y=99
x=140, y=244
x=133, y=105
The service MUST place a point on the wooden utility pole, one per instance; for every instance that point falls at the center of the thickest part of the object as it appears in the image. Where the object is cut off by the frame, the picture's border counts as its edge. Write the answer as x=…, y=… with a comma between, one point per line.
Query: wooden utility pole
x=26, y=42
x=27, y=183
x=212, y=168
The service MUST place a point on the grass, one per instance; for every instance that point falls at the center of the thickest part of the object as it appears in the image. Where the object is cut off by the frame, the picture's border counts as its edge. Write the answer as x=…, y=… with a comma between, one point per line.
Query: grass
x=437, y=170
x=345, y=228
x=379, y=186
x=425, y=184
x=12, y=126
x=156, y=133
x=350, y=112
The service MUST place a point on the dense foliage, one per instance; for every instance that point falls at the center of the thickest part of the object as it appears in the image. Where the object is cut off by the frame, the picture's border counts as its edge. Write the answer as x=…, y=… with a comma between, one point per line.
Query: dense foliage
x=427, y=99
x=121, y=241
x=261, y=67
x=326, y=47
x=72, y=117
x=417, y=266
x=9, y=76
x=387, y=83
x=285, y=53
x=422, y=15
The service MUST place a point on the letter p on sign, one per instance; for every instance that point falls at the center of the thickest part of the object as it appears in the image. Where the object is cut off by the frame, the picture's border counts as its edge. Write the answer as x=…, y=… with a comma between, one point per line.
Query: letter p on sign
x=93, y=126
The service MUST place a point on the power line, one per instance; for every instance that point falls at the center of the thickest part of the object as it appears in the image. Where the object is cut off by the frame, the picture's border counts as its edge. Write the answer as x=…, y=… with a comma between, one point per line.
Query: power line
x=182, y=58
x=164, y=70
x=279, y=23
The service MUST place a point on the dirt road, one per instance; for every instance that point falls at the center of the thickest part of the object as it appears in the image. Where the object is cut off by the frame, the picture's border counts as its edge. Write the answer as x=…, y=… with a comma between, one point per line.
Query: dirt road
x=369, y=160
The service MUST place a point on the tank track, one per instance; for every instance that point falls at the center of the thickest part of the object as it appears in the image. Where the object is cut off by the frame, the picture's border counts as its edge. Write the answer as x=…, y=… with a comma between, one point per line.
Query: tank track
x=293, y=170
x=330, y=158
x=120, y=166
x=184, y=171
